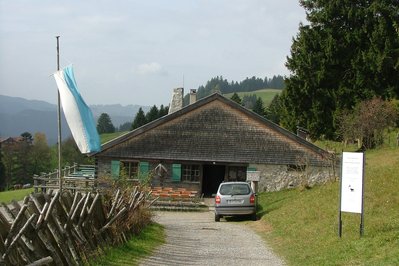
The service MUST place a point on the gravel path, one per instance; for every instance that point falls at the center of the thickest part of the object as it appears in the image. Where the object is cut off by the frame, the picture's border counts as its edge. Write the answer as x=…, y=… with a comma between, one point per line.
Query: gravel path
x=193, y=238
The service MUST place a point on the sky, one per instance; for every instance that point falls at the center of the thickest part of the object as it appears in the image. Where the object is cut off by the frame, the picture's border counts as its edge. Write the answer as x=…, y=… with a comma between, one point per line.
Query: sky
x=135, y=52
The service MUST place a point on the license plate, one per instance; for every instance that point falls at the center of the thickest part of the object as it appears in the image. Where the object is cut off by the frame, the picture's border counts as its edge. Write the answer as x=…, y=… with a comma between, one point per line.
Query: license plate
x=235, y=201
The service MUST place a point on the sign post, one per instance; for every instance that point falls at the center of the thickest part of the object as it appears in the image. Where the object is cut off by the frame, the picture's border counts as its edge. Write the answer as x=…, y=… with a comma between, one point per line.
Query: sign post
x=254, y=177
x=352, y=187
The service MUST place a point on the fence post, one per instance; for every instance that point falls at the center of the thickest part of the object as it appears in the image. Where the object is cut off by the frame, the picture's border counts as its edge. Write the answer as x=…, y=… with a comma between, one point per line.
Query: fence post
x=43, y=182
x=75, y=167
x=35, y=183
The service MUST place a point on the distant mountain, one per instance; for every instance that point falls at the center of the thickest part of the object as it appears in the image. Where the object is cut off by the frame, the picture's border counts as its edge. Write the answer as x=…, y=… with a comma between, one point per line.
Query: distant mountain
x=33, y=121
x=13, y=105
x=18, y=115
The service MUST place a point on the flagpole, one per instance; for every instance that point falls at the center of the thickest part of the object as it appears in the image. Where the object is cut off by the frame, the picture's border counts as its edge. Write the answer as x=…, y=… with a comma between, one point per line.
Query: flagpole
x=59, y=119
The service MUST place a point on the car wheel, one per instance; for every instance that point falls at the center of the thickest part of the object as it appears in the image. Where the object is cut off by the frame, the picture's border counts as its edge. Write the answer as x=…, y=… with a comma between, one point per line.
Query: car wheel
x=253, y=217
x=217, y=218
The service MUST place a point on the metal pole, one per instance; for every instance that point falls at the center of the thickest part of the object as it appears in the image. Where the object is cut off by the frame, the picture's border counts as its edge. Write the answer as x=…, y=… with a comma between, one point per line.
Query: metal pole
x=340, y=200
x=59, y=119
x=362, y=214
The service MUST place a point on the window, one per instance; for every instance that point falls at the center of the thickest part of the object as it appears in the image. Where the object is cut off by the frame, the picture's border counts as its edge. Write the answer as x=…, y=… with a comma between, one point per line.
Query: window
x=190, y=173
x=237, y=173
x=129, y=169
x=234, y=189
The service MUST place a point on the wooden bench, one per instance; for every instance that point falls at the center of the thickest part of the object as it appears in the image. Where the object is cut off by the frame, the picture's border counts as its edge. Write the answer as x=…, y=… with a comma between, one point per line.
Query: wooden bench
x=179, y=194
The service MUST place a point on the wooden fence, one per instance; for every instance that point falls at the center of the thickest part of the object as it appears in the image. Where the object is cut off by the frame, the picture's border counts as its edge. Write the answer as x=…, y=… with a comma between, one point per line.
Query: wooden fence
x=67, y=229
x=86, y=184
x=74, y=178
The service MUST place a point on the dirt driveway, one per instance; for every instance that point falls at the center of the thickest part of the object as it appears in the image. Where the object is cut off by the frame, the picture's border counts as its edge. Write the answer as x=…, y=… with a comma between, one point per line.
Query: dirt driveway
x=193, y=238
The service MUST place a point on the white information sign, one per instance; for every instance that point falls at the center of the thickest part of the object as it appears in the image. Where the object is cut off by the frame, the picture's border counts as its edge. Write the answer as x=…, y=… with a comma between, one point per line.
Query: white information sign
x=352, y=182
x=253, y=176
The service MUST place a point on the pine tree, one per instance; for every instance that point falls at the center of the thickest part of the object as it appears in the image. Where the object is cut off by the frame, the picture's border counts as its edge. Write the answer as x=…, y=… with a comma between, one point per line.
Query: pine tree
x=348, y=52
x=163, y=110
x=236, y=98
x=273, y=112
x=152, y=114
x=125, y=126
x=259, y=107
x=104, y=124
x=249, y=100
x=139, y=120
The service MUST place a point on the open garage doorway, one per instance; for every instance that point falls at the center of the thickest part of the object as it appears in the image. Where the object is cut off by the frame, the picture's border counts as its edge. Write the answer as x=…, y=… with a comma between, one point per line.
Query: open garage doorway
x=212, y=176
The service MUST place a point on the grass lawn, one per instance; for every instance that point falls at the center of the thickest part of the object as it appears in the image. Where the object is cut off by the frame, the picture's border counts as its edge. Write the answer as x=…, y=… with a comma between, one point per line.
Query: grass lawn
x=7, y=196
x=135, y=249
x=109, y=136
x=266, y=95
x=301, y=226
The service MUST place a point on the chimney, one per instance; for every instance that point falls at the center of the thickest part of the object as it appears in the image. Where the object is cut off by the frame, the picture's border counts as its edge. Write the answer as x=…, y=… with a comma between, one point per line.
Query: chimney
x=177, y=100
x=193, y=96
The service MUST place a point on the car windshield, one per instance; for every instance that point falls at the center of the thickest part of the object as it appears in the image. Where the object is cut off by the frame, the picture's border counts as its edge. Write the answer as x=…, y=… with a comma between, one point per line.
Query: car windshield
x=234, y=189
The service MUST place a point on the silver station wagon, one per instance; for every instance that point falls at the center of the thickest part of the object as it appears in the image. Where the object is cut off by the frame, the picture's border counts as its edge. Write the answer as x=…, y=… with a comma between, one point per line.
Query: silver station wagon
x=234, y=199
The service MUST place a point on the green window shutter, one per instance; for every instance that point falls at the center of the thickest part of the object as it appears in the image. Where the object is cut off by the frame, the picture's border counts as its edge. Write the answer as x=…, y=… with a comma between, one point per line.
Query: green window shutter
x=115, y=169
x=176, y=172
x=144, y=168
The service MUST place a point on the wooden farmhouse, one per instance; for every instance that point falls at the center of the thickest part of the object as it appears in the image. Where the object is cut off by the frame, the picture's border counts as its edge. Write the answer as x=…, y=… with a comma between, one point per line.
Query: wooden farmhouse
x=210, y=141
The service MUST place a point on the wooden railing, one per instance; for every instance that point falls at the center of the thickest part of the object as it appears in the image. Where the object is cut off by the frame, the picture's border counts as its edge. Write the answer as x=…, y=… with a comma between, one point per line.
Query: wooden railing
x=75, y=178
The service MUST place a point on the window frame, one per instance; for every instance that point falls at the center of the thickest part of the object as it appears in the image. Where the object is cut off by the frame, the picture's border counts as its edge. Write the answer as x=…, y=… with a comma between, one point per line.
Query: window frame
x=239, y=173
x=129, y=173
x=190, y=173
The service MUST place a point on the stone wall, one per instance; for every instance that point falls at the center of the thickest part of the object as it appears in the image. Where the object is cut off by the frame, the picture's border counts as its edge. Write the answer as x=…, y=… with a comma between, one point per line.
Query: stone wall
x=272, y=177
x=278, y=177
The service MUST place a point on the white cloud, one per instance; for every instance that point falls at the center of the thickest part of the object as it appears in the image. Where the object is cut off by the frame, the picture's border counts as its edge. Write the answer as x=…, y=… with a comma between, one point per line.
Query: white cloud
x=150, y=69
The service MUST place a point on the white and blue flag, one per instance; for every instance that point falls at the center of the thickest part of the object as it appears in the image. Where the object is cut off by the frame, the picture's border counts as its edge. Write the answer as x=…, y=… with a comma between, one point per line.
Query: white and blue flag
x=77, y=113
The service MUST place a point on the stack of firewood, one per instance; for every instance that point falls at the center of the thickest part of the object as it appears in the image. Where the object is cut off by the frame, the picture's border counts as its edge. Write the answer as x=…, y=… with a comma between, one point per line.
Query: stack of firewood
x=67, y=229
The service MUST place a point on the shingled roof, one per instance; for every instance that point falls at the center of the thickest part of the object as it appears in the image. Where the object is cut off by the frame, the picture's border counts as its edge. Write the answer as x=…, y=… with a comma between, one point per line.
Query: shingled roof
x=214, y=129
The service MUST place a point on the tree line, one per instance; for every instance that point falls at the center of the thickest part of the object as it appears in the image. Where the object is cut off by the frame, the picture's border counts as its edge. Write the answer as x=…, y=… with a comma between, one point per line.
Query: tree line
x=105, y=125
x=271, y=112
x=24, y=156
x=221, y=85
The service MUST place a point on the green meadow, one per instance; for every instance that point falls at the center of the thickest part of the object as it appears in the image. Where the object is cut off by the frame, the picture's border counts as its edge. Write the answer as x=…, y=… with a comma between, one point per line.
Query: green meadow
x=266, y=95
x=302, y=225
x=8, y=196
